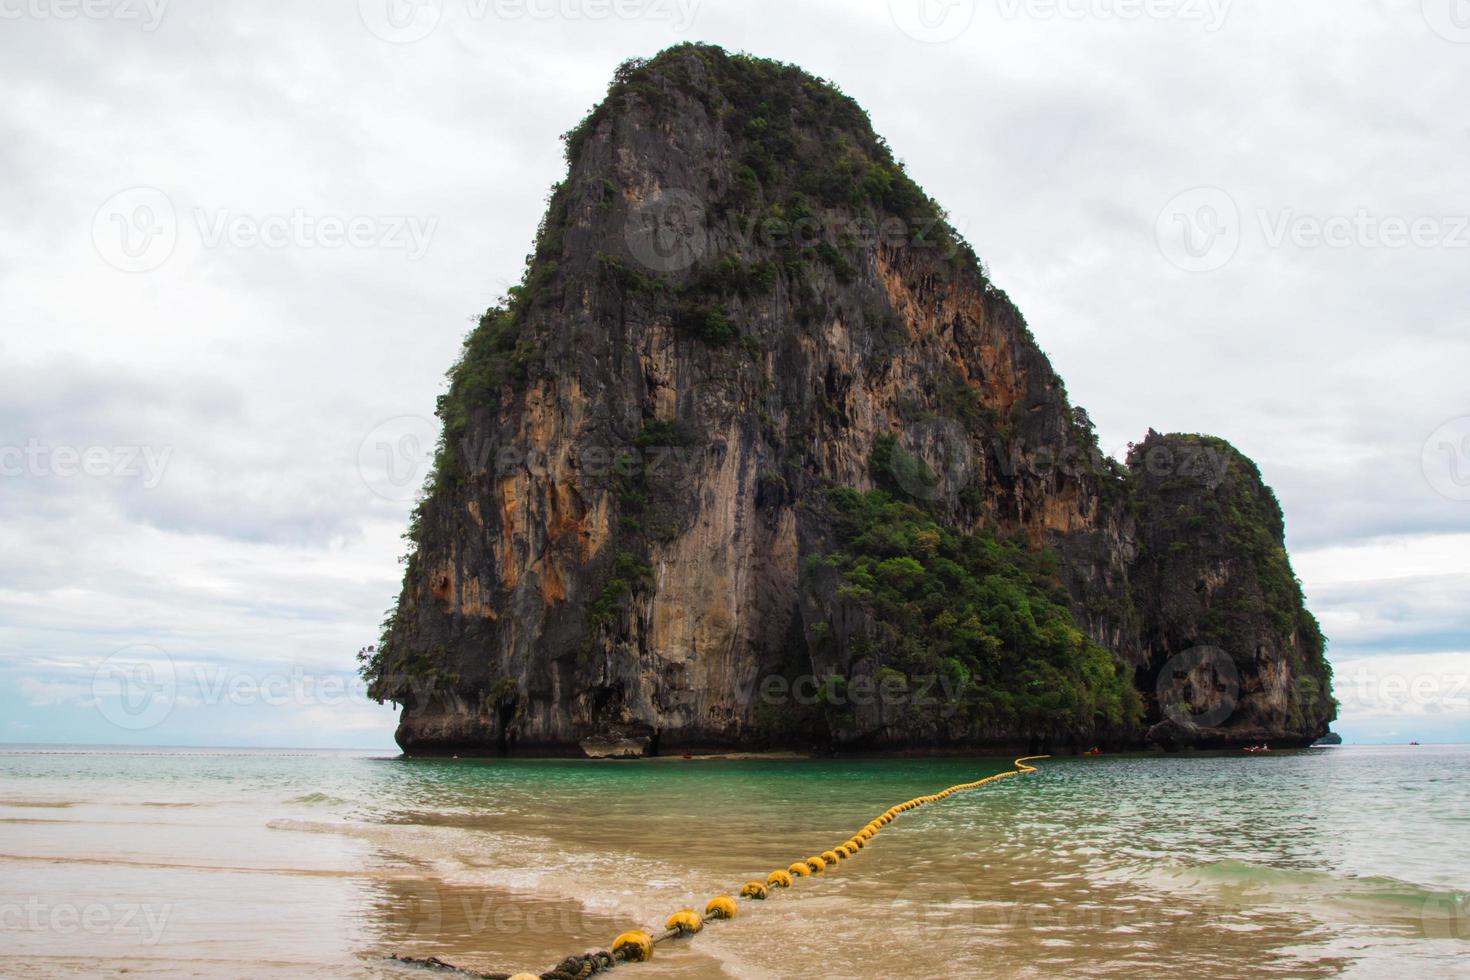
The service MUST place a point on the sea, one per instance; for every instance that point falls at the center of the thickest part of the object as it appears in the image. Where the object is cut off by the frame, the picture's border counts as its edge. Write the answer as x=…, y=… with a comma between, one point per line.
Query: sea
x=1342, y=861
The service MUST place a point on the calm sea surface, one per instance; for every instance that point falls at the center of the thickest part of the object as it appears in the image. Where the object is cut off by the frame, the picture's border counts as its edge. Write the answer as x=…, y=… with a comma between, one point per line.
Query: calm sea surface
x=217, y=863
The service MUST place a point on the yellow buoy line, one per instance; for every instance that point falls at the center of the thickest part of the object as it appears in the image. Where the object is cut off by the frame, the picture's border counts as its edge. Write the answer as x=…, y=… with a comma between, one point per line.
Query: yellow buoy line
x=637, y=945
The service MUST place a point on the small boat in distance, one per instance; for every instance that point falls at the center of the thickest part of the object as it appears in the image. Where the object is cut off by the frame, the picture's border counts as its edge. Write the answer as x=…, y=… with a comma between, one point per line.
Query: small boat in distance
x=1258, y=748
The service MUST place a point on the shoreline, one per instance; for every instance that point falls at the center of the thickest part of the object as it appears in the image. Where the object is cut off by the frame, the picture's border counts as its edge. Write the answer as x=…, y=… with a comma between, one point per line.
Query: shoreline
x=780, y=755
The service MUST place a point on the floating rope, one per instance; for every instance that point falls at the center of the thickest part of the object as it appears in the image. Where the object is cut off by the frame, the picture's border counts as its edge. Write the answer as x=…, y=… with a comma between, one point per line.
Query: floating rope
x=637, y=946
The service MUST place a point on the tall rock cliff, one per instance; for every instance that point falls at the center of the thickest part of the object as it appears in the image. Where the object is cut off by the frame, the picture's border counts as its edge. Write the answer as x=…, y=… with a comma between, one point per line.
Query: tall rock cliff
x=757, y=455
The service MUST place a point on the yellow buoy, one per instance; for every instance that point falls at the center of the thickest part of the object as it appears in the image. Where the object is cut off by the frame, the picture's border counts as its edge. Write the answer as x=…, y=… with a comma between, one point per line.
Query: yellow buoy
x=832, y=857
x=816, y=864
x=800, y=869
x=721, y=907
x=685, y=921
x=754, y=889
x=635, y=946
x=779, y=879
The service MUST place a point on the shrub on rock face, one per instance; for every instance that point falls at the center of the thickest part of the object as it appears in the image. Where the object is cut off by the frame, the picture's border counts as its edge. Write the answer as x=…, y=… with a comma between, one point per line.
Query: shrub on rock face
x=985, y=612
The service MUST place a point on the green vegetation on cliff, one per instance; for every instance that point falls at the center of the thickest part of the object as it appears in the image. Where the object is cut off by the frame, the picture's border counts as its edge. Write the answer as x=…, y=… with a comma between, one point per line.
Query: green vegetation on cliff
x=982, y=610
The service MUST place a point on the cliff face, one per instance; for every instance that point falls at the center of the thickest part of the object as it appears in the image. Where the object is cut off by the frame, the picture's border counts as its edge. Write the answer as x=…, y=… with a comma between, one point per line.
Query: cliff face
x=738, y=305
x=1234, y=656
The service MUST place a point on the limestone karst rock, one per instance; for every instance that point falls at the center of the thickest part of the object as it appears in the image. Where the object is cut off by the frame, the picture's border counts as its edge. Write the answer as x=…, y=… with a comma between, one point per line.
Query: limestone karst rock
x=739, y=303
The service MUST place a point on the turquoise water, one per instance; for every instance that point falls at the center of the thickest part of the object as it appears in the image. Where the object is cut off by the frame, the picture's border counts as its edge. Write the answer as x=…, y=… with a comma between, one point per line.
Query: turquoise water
x=1345, y=861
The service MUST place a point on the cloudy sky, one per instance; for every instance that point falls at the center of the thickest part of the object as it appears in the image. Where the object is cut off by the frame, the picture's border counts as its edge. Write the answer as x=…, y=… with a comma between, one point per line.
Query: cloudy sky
x=241, y=243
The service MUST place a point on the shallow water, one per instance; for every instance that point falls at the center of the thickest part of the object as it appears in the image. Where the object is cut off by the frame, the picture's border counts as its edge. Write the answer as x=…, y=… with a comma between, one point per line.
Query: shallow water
x=1345, y=861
